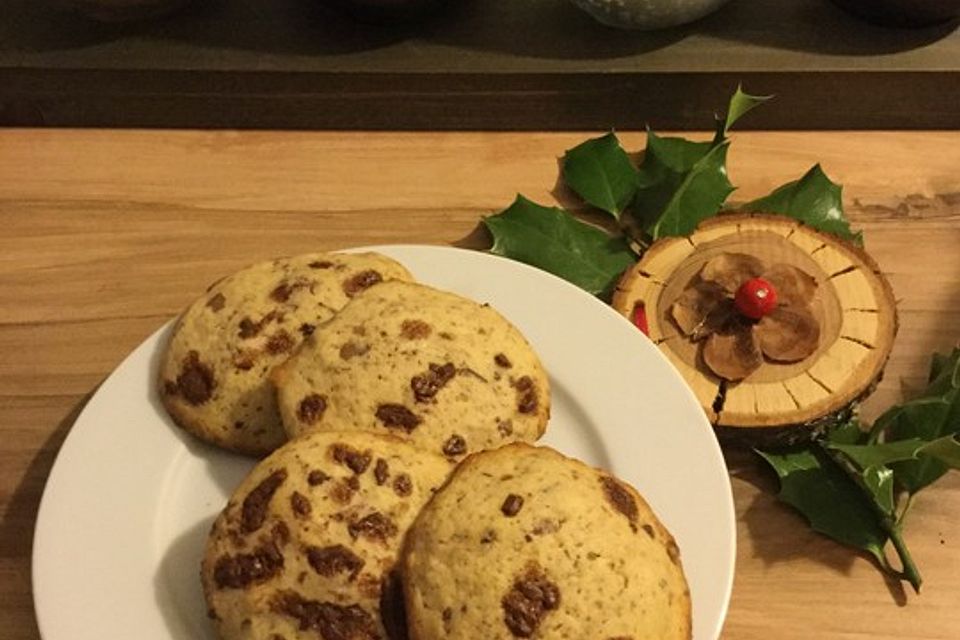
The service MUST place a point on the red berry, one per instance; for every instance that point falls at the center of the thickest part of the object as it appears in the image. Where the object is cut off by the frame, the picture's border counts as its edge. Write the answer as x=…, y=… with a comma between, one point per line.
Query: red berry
x=639, y=318
x=756, y=298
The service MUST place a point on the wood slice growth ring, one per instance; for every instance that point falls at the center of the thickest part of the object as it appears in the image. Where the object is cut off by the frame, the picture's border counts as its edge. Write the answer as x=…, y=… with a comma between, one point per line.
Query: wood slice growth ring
x=786, y=398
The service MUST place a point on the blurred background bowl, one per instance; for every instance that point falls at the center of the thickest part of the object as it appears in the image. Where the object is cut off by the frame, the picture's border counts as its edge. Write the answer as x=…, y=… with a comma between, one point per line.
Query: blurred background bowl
x=903, y=13
x=648, y=14
x=386, y=11
x=124, y=10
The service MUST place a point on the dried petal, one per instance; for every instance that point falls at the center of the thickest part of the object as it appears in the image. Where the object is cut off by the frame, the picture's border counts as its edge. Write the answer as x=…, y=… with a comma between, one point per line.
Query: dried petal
x=788, y=334
x=691, y=310
x=733, y=356
x=730, y=270
x=794, y=287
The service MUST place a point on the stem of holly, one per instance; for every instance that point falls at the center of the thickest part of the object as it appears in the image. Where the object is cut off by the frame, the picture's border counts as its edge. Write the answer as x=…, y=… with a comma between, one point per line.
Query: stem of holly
x=910, y=572
x=888, y=521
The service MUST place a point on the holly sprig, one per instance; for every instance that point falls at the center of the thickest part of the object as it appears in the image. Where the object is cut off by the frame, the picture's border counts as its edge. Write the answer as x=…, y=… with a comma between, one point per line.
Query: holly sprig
x=856, y=483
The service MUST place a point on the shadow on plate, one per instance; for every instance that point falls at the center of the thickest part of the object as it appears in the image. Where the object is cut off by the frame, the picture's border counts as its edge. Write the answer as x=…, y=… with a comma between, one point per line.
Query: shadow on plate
x=177, y=588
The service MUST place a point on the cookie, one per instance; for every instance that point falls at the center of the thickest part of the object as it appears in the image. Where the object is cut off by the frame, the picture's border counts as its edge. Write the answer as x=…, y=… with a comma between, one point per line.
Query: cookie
x=451, y=374
x=523, y=542
x=213, y=376
x=306, y=547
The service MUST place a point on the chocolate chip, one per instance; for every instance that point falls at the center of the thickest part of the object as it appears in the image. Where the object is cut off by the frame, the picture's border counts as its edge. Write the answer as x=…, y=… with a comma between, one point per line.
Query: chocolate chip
x=353, y=349
x=455, y=446
x=381, y=471
x=397, y=416
x=354, y=459
x=528, y=601
x=280, y=342
x=505, y=428
x=316, y=477
x=307, y=329
x=488, y=536
x=300, y=505
x=511, y=505
x=447, y=614
x=402, y=485
x=375, y=526
x=426, y=385
x=250, y=329
x=415, y=329
x=363, y=280
x=280, y=533
x=331, y=621
x=320, y=264
x=502, y=361
x=343, y=490
x=255, y=504
x=195, y=382
x=282, y=292
x=546, y=526
x=648, y=530
x=216, y=302
x=244, y=569
x=311, y=408
x=243, y=362
x=620, y=499
x=674, y=552
x=526, y=395
x=329, y=561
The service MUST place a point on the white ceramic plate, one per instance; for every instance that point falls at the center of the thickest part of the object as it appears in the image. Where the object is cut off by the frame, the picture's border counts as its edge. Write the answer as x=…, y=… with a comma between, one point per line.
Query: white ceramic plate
x=130, y=499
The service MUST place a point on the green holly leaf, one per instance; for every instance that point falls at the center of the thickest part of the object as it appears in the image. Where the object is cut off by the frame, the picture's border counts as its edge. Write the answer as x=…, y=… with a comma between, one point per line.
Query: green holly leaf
x=740, y=104
x=681, y=183
x=600, y=172
x=555, y=241
x=849, y=432
x=933, y=416
x=878, y=481
x=814, y=200
x=872, y=455
x=816, y=486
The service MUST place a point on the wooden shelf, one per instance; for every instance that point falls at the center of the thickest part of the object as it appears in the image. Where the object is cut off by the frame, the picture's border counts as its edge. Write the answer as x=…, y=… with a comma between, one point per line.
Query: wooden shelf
x=480, y=64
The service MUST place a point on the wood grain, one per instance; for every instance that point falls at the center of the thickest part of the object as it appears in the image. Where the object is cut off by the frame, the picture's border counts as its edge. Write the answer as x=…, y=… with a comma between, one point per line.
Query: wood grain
x=107, y=234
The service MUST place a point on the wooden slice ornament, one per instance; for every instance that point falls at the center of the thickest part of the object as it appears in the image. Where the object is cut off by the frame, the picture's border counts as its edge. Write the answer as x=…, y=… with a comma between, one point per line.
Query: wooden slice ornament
x=777, y=328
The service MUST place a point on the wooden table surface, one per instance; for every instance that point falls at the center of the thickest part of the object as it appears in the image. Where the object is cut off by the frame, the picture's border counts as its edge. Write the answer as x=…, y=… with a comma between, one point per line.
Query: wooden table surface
x=105, y=235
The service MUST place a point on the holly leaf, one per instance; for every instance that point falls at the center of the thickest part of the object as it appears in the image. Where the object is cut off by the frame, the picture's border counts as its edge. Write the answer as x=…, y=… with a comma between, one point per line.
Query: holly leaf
x=872, y=455
x=929, y=418
x=814, y=200
x=740, y=104
x=600, y=172
x=681, y=183
x=555, y=241
x=824, y=494
x=849, y=432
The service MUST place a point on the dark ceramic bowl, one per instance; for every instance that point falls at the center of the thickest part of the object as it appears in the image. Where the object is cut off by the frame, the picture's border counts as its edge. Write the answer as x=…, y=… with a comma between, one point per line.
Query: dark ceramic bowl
x=903, y=13
x=125, y=10
x=387, y=10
